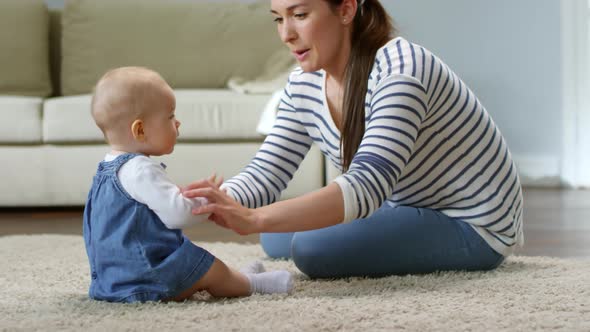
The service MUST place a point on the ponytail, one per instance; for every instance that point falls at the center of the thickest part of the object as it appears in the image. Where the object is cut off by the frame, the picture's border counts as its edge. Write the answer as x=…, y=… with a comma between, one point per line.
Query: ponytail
x=372, y=28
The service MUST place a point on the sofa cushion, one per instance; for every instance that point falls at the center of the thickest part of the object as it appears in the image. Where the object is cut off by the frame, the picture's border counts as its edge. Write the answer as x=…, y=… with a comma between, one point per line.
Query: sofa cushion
x=193, y=44
x=21, y=120
x=204, y=115
x=24, y=59
x=50, y=175
x=68, y=120
x=218, y=114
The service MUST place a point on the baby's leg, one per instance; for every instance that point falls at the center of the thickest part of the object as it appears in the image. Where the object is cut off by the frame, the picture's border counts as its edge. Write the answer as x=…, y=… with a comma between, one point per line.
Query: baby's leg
x=219, y=281
x=222, y=281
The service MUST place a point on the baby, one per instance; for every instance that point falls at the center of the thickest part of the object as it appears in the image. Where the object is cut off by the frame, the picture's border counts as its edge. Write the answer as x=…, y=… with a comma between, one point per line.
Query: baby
x=134, y=213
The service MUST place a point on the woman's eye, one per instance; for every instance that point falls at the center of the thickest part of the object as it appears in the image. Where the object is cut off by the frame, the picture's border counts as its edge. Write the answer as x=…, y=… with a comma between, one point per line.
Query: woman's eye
x=278, y=19
x=300, y=15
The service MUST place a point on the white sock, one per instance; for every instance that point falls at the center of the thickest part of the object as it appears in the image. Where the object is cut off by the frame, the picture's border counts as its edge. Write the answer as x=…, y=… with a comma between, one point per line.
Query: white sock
x=279, y=281
x=253, y=268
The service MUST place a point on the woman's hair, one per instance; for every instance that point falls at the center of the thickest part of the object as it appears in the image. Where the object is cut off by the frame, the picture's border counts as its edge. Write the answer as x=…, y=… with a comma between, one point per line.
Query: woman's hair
x=372, y=28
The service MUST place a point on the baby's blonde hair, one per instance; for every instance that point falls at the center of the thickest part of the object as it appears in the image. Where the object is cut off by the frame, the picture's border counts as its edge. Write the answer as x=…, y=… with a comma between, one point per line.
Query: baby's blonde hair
x=123, y=95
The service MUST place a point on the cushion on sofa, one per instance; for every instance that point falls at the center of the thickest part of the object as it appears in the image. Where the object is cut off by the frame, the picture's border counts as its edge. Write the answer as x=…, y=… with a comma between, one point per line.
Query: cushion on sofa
x=21, y=120
x=24, y=55
x=193, y=44
x=62, y=174
x=204, y=115
x=273, y=75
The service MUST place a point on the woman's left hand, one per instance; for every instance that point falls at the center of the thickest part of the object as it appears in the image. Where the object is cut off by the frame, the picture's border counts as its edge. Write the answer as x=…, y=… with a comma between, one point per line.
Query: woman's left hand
x=224, y=210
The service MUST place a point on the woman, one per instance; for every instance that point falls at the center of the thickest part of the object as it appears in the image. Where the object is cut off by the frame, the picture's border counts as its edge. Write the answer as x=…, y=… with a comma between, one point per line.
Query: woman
x=428, y=182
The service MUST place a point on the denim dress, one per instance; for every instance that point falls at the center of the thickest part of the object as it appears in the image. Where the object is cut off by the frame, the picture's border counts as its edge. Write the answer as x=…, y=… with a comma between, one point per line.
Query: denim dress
x=133, y=256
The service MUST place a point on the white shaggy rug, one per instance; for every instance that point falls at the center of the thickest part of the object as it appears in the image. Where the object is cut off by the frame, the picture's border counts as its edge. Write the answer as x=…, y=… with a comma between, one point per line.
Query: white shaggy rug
x=44, y=279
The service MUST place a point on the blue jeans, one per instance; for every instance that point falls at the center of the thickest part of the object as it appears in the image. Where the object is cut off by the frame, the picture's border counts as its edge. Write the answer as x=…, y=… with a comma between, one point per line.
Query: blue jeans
x=392, y=241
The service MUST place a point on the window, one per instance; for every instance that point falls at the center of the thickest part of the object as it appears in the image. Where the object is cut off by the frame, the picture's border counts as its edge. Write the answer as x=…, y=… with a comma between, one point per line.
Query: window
x=576, y=92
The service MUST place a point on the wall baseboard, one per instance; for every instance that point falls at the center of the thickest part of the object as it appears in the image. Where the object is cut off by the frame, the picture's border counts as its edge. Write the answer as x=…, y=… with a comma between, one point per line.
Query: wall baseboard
x=539, y=170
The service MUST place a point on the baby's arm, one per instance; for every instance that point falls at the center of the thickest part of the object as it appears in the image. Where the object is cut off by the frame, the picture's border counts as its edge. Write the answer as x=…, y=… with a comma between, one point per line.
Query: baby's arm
x=147, y=182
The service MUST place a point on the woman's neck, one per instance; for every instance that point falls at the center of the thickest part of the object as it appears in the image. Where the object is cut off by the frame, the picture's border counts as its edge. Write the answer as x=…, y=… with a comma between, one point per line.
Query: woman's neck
x=334, y=80
x=337, y=69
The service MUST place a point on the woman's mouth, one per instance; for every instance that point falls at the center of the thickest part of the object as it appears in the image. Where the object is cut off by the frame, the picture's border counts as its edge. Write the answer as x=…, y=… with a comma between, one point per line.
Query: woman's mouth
x=300, y=55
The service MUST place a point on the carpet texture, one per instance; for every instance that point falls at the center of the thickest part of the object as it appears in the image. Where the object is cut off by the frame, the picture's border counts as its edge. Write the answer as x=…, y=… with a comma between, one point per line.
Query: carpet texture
x=44, y=280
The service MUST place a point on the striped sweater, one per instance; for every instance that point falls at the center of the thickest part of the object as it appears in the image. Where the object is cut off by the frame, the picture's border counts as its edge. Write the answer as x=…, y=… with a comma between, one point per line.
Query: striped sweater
x=428, y=142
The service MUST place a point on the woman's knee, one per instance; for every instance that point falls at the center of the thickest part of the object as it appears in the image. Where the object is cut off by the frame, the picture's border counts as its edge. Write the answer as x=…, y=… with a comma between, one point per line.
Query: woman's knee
x=276, y=245
x=309, y=256
x=495, y=262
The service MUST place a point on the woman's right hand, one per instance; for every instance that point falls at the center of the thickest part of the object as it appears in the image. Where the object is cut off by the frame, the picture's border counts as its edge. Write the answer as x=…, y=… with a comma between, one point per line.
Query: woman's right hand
x=223, y=209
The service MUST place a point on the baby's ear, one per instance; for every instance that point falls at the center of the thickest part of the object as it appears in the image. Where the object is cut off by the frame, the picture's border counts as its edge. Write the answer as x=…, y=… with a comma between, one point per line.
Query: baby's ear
x=137, y=130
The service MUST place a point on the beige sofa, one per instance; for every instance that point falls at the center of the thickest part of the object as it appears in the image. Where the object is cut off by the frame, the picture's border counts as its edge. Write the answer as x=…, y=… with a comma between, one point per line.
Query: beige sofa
x=49, y=61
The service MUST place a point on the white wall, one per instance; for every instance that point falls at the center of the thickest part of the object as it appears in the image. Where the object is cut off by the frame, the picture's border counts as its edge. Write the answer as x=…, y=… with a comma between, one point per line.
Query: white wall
x=509, y=53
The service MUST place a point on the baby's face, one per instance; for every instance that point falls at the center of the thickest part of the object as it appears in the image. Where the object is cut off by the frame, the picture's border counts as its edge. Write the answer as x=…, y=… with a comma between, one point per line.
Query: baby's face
x=161, y=125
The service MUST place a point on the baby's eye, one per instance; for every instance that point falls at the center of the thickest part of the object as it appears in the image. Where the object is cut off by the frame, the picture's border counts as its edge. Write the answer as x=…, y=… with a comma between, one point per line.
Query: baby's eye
x=171, y=116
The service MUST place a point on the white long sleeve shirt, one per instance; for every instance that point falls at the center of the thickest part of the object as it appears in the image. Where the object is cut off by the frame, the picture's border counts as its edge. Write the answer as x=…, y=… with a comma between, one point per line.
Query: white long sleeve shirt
x=146, y=181
x=428, y=142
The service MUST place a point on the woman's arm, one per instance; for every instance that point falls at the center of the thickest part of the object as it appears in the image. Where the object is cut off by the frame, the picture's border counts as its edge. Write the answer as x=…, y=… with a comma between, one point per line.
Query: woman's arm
x=398, y=108
x=263, y=180
x=318, y=209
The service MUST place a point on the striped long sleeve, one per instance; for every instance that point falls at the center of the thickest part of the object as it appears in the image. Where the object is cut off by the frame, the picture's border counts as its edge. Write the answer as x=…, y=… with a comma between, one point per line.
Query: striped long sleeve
x=397, y=108
x=262, y=181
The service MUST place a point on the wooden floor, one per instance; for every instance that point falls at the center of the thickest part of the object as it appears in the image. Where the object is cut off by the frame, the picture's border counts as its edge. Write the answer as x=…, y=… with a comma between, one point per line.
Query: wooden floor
x=557, y=223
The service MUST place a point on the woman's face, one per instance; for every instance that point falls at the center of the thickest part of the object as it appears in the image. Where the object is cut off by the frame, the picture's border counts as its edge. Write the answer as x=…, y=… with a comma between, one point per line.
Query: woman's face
x=316, y=34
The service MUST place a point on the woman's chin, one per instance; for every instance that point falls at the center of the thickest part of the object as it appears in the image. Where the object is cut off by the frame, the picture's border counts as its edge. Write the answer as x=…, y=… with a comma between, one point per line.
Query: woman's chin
x=308, y=67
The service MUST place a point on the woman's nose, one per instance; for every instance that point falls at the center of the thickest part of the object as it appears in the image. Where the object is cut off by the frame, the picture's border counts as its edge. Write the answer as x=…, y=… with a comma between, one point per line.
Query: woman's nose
x=286, y=32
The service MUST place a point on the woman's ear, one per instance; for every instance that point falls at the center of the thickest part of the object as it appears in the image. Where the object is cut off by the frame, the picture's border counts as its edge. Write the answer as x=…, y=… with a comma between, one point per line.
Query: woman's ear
x=137, y=130
x=348, y=10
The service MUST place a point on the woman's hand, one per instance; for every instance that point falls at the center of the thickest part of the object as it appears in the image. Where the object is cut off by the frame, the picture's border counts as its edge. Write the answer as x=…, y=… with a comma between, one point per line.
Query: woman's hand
x=224, y=210
x=213, y=180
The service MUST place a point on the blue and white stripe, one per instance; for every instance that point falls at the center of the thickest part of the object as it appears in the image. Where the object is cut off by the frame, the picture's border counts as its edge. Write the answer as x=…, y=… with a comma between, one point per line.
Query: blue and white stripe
x=428, y=143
